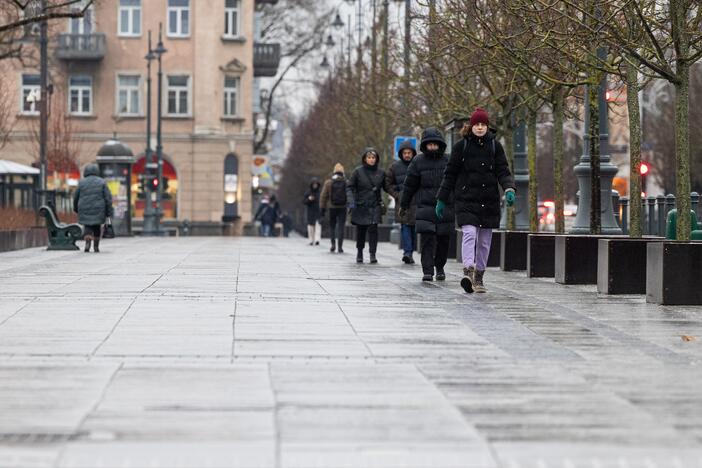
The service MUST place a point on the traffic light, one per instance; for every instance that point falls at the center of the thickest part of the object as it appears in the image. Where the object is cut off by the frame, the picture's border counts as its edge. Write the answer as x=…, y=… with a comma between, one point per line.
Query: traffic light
x=644, y=169
x=153, y=183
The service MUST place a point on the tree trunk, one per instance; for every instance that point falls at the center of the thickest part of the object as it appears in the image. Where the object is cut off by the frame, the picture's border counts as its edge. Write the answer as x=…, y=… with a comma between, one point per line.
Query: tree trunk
x=682, y=150
x=558, y=154
x=632, y=100
x=595, y=195
x=531, y=158
x=509, y=152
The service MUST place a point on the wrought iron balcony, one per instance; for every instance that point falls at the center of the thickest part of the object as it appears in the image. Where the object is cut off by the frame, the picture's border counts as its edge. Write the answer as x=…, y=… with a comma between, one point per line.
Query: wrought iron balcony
x=266, y=2
x=81, y=46
x=266, y=59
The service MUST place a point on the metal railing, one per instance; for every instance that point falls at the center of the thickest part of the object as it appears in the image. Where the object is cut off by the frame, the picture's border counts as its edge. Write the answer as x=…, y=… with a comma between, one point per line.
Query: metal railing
x=654, y=212
x=266, y=59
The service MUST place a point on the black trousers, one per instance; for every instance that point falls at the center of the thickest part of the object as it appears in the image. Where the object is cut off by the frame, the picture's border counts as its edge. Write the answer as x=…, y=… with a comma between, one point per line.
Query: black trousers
x=337, y=222
x=94, y=230
x=434, y=252
x=372, y=231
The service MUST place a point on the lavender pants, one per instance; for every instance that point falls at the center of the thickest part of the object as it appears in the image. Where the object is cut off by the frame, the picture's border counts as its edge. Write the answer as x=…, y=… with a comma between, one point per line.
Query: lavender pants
x=475, y=247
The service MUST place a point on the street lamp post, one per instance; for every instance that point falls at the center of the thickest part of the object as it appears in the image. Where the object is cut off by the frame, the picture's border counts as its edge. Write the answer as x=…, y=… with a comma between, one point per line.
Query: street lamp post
x=159, y=51
x=150, y=217
x=43, y=102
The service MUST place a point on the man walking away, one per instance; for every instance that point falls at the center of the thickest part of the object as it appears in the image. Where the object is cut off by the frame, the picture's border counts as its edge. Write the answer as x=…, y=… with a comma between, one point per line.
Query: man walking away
x=334, y=198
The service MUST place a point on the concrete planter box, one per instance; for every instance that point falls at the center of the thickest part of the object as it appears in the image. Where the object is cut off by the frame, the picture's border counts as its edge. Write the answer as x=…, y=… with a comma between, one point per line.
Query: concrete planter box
x=541, y=256
x=621, y=265
x=493, y=257
x=673, y=273
x=576, y=258
x=513, y=250
x=23, y=239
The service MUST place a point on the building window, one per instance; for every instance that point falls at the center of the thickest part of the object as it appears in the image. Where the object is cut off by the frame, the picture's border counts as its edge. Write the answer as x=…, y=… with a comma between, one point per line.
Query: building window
x=179, y=18
x=178, y=90
x=84, y=24
x=231, y=96
x=130, y=17
x=31, y=93
x=128, y=94
x=80, y=95
x=232, y=18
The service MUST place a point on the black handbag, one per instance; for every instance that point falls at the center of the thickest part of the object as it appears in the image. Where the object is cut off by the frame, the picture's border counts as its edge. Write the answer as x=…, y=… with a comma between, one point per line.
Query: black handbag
x=108, y=231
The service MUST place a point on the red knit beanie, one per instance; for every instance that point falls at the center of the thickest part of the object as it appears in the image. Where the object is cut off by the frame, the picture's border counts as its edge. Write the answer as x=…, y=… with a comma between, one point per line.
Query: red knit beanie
x=479, y=115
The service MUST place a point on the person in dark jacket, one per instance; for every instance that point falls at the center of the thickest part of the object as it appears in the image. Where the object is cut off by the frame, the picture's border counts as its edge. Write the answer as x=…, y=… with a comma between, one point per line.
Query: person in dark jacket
x=93, y=203
x=334, y=198
x=475, y=169
x=394, y=179
x=366, y=203
x=268, y=213
x=311, y=201
x=422, y=182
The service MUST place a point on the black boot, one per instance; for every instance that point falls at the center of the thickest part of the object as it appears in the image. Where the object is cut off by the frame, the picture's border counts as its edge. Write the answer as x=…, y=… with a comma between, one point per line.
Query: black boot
x=359, y=256
x=333, y=245
x=88, y=241
x=373, y=259
x=341, y=242
x=96, y=244
x=440, y=274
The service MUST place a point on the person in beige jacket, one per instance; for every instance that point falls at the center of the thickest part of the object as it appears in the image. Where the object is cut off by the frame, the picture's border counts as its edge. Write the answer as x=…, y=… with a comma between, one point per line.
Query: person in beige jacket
x=334, y=198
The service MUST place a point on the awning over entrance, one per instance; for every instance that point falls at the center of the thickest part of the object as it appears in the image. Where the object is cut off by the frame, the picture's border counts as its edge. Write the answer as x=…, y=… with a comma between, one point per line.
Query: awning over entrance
x=13, y=168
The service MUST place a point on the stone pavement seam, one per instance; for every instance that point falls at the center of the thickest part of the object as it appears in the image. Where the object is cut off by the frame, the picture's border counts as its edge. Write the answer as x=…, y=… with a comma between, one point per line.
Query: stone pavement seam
x=276, y=418
x=114, y=327
x=18, y=311
x=236, y=306
x=98, y=401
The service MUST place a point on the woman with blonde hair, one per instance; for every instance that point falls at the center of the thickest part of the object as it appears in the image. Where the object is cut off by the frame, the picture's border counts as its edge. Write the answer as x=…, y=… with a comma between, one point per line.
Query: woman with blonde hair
x=334, y=198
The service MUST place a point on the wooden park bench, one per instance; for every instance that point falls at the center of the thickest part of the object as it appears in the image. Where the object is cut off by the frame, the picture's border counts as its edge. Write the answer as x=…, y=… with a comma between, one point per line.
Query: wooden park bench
x=62, y=236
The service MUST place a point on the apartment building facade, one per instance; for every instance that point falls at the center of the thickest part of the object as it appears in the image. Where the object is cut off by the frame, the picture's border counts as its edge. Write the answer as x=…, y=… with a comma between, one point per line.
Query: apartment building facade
x=98, y=69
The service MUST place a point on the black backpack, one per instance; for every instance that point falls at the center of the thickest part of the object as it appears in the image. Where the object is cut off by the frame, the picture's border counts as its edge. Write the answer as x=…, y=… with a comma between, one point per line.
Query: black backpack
x=338, y=192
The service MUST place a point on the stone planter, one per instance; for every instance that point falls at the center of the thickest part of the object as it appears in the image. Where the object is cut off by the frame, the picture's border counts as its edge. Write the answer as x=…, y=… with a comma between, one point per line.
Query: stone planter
x=673, y=273
x=576, y=258
x=23, y=239
x=621, y=265
x=541, y=257
x=513, y=250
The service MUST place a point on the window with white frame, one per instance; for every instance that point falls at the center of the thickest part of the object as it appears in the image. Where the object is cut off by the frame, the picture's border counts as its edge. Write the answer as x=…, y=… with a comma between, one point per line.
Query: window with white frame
x=179, y=18
x=31, y=85
x=128, y=94
x=80, y=95
x=231, y=96
x=129, y=17
x=178, y=90
x=83, y=24
x=232, y=18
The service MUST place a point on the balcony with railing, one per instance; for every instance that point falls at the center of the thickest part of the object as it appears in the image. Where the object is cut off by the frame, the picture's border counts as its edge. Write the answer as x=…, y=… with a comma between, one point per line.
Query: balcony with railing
x=81, y=46
x=266, y=59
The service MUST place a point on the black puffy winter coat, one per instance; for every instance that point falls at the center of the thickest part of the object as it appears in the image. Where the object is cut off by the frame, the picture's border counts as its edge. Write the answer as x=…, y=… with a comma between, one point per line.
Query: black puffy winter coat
x=422, y=182
x=473, y=173
x=313, y=211
x=363, y=192
x=394, y=181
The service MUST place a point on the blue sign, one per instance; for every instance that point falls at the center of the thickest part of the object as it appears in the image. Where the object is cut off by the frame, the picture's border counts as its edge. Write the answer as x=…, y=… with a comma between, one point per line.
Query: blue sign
x=401, y=139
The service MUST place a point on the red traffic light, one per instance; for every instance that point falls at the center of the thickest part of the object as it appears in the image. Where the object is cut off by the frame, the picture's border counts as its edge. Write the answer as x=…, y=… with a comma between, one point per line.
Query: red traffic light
x=644, y=168
x=154, y=182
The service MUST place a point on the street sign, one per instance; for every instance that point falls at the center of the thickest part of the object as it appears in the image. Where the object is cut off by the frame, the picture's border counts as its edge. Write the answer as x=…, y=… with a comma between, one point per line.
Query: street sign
x=401, y=139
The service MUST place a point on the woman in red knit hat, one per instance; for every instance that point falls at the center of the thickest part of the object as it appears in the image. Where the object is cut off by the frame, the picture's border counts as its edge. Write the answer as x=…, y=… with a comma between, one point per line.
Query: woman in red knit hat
x=476, y=169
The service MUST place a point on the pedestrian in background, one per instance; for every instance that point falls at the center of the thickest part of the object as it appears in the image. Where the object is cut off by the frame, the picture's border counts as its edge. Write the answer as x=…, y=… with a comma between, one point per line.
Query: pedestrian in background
x=394, y=180
x=93, y=203
x=475, y=169
x=311, y=201
x=334, y=199
x=268, y=213
x=366, y=202
x=422, y=183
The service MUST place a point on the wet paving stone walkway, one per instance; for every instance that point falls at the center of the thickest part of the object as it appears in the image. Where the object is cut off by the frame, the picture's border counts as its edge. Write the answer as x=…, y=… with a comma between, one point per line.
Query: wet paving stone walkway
x=247, y=352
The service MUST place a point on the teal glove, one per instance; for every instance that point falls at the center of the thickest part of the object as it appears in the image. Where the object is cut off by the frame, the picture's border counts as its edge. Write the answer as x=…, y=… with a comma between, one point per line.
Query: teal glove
x=509, y=197
x=439, y=210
